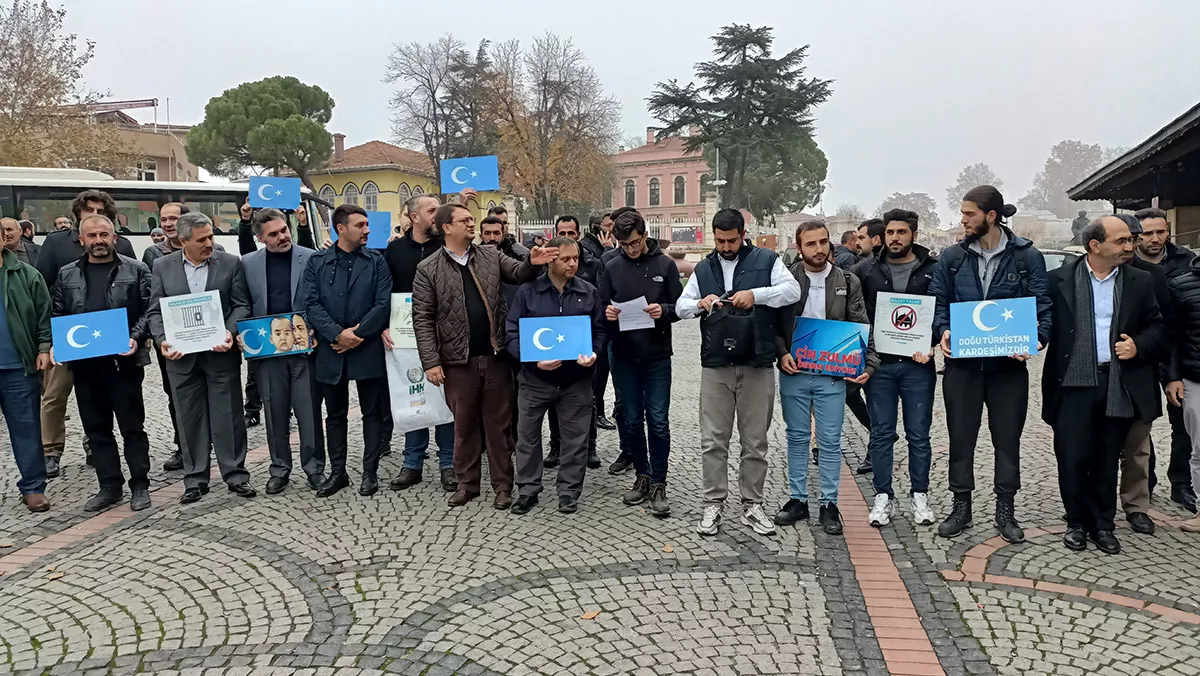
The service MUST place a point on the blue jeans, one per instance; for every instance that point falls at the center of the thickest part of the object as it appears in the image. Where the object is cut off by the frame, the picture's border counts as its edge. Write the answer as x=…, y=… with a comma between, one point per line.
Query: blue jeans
x=805, y=396
x=417, y=441
x=644, y=389
x=20, y=401
x=908, y=384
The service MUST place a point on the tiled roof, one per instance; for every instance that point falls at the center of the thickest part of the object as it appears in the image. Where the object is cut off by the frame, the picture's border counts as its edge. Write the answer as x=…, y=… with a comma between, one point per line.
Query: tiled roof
x=378, y=153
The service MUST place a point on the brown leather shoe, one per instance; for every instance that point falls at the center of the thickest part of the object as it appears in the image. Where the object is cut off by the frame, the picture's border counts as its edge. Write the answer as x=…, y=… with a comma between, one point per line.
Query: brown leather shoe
x=503, y=500
x=36, y=502
x=461, y=497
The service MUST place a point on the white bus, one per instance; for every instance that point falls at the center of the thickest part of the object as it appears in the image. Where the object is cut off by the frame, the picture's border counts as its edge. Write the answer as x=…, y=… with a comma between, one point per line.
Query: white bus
x=42, y=195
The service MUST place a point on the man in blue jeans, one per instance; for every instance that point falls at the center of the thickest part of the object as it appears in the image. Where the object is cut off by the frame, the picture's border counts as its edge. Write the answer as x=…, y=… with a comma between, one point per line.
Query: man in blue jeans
x=901, y=266
x=641, y=365
x=24, y=351
x=827, y=292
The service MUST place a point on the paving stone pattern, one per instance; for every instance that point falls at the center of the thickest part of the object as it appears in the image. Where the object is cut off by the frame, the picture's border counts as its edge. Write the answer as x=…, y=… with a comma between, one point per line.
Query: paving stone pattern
x=400, y=583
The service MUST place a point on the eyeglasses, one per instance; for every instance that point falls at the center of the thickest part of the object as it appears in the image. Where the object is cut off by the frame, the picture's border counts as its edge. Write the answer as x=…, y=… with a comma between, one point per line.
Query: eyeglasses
x=469, y=220
x=632, y=243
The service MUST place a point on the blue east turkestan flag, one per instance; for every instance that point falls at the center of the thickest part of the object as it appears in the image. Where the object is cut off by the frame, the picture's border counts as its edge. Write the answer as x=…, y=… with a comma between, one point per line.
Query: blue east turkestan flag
x=551, y=338
x=90, y=334
x=477, y=173
x=994, y=328
x=274, y=191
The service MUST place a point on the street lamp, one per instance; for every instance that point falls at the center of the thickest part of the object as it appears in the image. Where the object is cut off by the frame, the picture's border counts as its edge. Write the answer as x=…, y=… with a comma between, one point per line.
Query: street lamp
x=718, y=182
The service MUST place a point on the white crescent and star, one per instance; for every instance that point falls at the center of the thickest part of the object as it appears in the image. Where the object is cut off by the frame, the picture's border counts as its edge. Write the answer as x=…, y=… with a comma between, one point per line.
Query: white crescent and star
x=71, y=336
x=977, y=316
x=245, y=345
x=454, y=175
x=263, y=187
x=537, y=338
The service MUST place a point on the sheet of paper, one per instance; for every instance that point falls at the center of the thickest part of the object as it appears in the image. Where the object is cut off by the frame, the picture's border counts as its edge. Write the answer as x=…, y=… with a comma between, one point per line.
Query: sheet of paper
x=403, y=335
x=903, y=323
x=193, y=322
x=633, y=315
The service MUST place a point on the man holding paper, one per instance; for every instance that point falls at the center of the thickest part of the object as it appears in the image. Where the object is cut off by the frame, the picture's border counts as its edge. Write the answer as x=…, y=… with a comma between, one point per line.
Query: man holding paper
x=110, y=384
x=737, y=291
x=207, y=382
x=894, y=288
x=563, y=385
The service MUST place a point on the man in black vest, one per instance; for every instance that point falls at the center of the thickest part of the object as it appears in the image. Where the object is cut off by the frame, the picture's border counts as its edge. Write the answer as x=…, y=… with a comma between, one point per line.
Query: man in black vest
x=737, y=291
x=901, y=266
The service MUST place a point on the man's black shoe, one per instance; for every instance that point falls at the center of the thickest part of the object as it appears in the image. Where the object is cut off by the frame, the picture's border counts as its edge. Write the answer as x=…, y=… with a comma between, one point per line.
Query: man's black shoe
x=1184, y=495
x=175, y=462
x=567, y=504
x=1141, y=523
x=189, y=496
x=1106, y=542
x=551, y=459
x=523, y=504
x=604, y=423
x=275, y=485
x=369, y=486
x=408, y=477
x=107, y=497
x=792, y=511
x=640, y=491
x=333, y=484
x=593, y=459
x=1075, y=539
x=449, y=481
x=52, y=468
x=243, y=490
x=621, y=466
x=1006, y=522
x=139, y=499
x=315, y=480
x=958, y=520
x=864, y=467
x=831, y=520
x=203, y=489
x=253, y=418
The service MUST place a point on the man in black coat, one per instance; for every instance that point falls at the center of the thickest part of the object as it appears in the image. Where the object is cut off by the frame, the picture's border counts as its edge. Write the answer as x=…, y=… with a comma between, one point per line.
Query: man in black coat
x=1106, y=335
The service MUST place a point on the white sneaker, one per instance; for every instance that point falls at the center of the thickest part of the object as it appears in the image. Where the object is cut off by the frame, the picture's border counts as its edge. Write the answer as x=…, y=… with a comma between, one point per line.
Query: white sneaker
x=922, y=514
x=710, y=523
x=754, y=517
x=882, y=511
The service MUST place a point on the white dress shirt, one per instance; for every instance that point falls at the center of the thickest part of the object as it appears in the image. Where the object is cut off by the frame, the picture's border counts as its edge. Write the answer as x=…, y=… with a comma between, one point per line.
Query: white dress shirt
x=1102, y=311
x=784, y=289
x=197, y=275
x=814, y=305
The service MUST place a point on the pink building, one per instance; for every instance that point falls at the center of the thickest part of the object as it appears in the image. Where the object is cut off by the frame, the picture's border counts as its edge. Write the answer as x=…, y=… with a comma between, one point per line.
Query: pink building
x=666, y=184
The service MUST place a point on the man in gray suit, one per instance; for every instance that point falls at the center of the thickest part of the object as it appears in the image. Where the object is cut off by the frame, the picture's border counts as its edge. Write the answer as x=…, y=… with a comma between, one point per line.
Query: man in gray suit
x=273, y=275
x=207, y=385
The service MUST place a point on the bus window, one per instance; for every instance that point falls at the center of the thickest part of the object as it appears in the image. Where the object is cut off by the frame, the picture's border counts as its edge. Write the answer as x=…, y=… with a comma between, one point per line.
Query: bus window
x=222, y=208
x=135, y=214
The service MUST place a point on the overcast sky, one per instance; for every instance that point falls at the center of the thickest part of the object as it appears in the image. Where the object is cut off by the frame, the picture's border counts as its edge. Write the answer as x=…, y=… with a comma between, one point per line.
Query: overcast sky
x=921, y=89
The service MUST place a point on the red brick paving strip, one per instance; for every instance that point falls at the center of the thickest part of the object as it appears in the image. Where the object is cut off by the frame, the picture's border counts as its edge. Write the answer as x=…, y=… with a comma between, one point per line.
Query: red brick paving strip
x=905, y=645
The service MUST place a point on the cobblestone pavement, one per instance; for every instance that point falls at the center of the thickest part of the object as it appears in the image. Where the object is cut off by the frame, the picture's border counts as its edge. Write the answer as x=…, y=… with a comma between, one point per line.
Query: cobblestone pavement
x=399, y=583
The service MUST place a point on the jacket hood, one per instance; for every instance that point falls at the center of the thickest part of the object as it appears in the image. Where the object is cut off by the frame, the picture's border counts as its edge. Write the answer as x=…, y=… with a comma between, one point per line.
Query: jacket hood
x=652, y=249
x=919, y=251
x=1015, y=241
x=11, y=262
x=1194, y=266
x=1175, y=251
x=841, y=249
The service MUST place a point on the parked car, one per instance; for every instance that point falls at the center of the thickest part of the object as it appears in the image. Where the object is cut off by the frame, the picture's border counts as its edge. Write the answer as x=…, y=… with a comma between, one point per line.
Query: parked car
x=1056, y=258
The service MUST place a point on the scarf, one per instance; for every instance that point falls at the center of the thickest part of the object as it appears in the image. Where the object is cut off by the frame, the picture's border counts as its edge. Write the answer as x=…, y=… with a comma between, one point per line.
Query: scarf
x=1082, y=368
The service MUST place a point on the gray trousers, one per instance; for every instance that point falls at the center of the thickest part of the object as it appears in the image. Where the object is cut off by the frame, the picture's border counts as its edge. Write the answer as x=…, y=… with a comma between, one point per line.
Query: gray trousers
x=208, y=401
x=1191, y=420
x=1135, y=469
x=747, y=393
x=286, y=386
x=574, y=406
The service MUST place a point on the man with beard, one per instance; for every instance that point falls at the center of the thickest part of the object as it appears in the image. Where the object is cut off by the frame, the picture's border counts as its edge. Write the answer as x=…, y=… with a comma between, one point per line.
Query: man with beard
x=990, y=263
x=1155, y=248
x=826, y=292
x=403, y=255
x=1099, y=375
x=737, y=291
x=110, y=386
x=902, y=266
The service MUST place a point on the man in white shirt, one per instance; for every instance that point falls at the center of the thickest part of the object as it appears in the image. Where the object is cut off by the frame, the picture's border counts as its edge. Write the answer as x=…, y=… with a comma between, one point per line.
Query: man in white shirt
x=738, y=292
x=827, y=292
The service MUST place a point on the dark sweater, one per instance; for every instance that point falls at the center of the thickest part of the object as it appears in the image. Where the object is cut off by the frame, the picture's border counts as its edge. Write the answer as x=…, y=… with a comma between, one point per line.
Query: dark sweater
x=279, y=282
x=403, y=255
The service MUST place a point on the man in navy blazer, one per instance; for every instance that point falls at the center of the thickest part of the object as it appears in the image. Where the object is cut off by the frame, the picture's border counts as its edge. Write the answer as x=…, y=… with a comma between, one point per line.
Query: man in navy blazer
x=274, y=277
x=348, y=303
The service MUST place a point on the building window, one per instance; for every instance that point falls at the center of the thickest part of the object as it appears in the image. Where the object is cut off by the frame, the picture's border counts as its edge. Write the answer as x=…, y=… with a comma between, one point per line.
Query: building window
x=405, y=193
x=417, y=190
x=370, y=195
x=655, y=192
x=327, y=194
x=680, y=191
x=147, y=170
x=491, y=204
x=630, y=193
x=350, y=194
x=705, y=186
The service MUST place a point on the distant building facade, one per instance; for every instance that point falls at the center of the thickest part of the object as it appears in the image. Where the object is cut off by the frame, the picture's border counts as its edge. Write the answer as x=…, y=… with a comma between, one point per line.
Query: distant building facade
x=665, y=183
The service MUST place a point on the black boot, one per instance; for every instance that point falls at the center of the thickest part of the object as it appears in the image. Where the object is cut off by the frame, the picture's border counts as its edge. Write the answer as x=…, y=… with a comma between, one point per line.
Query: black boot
x=959, y=518
x=1006, y=521
x=107, y=497
x=593, y=459
x=175, y=462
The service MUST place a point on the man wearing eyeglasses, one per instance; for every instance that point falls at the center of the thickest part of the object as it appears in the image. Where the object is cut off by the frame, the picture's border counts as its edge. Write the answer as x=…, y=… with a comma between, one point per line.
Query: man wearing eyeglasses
x=459, y=320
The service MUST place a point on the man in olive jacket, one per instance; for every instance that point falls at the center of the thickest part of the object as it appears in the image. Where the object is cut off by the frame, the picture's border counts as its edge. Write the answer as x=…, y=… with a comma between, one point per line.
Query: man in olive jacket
x=24, y=351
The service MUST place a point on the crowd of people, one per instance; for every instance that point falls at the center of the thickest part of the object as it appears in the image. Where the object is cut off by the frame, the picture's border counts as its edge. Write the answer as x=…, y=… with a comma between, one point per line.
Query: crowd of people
x=1116, y=326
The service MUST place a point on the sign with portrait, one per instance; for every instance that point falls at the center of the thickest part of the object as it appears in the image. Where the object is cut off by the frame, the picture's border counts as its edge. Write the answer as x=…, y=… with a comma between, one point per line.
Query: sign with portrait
x=275, y=336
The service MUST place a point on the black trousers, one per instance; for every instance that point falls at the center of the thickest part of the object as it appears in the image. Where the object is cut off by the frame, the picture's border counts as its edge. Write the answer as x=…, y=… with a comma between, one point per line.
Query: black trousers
x=166, y=384
x=1178, y=472
x=858, y=405
x=105, y=388
x=600, y=381
x=1088, y=445
x=1006, y=394
x=372, y=400
x=253, y=399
